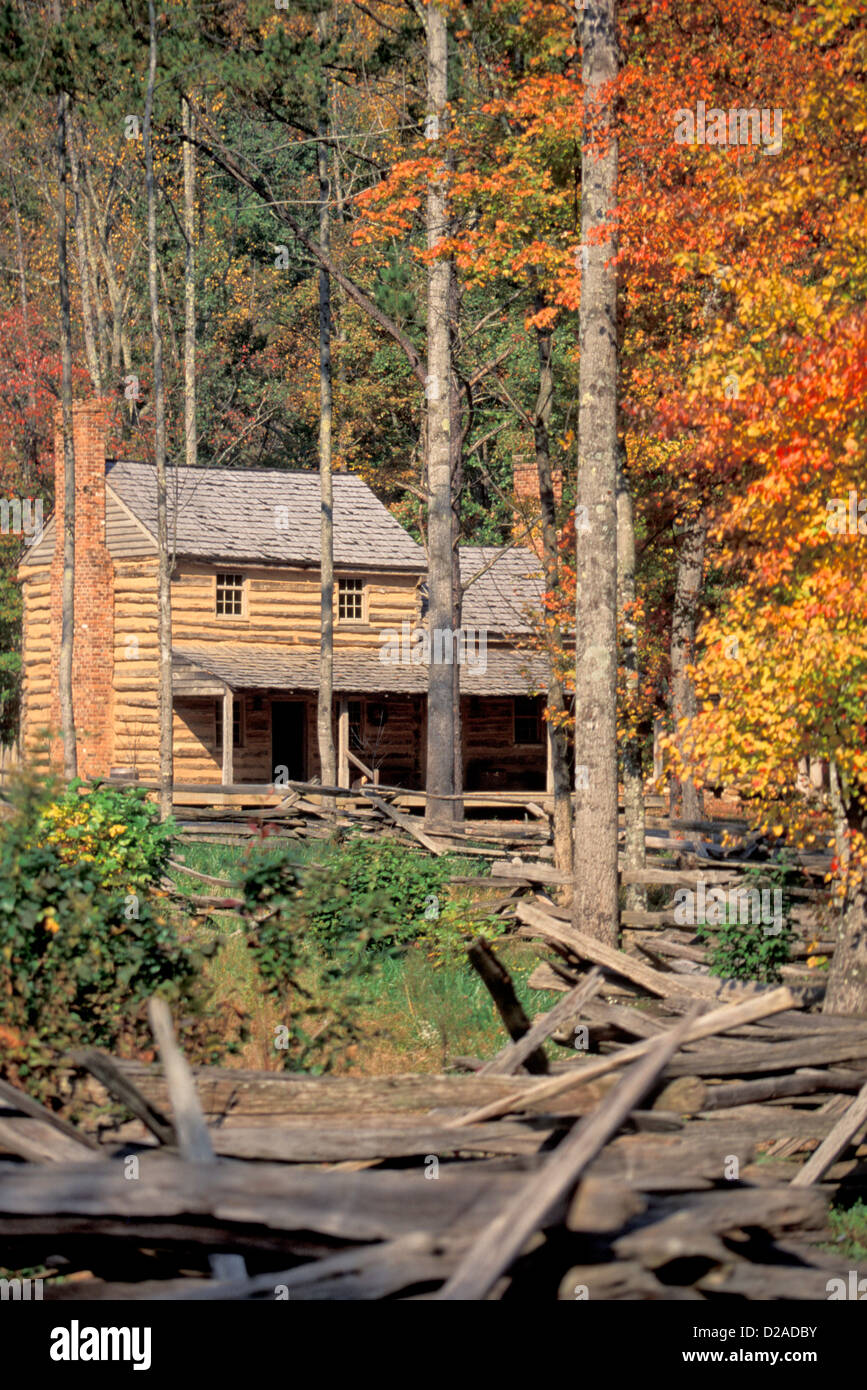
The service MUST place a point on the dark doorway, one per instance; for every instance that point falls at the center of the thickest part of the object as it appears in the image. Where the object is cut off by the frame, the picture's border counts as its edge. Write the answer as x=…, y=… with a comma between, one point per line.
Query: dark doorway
x=289, y=739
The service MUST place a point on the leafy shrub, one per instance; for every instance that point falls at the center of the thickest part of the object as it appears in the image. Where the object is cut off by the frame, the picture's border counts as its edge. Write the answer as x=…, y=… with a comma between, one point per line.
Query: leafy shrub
x=745, y=950
x=314, y=978
x=85, y=935
x=401, y=890
x=320, y=933
x=117, y=831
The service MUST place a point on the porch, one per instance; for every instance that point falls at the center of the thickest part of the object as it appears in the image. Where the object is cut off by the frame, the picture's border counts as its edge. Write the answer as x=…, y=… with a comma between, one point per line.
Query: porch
x=380, y=732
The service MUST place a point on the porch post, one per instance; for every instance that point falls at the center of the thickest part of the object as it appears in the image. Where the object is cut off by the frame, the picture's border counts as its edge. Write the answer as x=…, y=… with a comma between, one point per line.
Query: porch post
x=228, y=750
x=343, y=744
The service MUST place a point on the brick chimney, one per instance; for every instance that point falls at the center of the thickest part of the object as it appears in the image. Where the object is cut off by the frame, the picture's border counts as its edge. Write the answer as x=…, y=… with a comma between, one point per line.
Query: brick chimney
x=93, y=649
x=525, y=485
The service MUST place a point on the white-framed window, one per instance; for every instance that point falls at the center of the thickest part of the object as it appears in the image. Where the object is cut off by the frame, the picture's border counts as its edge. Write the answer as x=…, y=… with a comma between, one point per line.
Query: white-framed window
x=350, y=600
x=230, y=594
x=237, y=724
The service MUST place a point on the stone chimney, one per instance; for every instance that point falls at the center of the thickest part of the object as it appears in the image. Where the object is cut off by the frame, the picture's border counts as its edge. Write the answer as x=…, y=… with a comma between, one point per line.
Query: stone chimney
x=93, y=649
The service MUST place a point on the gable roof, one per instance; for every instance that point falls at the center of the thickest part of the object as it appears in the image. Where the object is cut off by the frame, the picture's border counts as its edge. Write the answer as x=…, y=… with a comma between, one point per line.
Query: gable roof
x=501, y=587
x=266, y=515
x=261, y=516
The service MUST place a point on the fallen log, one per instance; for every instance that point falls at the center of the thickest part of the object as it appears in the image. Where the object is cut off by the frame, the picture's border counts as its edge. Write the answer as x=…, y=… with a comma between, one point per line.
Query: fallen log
x=719, y=1021
x=836, y=1143
x=522, y=1049
x=498, y=983
x=504, y=1238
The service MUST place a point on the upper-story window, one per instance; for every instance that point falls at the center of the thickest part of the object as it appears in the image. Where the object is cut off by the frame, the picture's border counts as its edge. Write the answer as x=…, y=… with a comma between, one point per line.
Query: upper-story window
x=350, y=600
x=230, y=594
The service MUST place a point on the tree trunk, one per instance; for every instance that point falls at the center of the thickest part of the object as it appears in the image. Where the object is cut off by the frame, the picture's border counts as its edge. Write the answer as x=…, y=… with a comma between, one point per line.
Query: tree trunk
x=103, y=335
x=31, y=451
x=847, y=978
x=325, y=698
x=595, y=894
x=633, y=778
x=191, y=440
x=456, y=468
x=685, y=800
x=441, y=750
x=67, y=583
x=91, y=347
x=556, y=703
x=164, y=589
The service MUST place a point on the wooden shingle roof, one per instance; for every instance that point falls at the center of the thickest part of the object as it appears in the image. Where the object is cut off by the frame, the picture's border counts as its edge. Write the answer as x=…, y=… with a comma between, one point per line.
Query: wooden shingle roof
x=264, y=666
x=266, y=516
x=502, y=588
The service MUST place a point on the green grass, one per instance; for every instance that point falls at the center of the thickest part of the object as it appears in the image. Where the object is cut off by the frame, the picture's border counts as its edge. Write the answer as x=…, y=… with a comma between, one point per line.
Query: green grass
x=430, y=1013
x=420, y=1009
x=850, y=1231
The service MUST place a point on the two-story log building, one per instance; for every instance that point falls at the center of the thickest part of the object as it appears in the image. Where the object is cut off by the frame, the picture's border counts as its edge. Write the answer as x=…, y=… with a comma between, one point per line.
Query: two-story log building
x=246, y=625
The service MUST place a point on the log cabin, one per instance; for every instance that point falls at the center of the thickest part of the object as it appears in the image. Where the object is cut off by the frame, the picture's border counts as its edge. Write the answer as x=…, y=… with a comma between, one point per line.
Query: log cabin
x=245, y=597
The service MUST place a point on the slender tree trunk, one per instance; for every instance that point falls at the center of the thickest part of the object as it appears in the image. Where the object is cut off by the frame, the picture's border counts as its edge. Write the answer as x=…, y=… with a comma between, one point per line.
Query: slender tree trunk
x=30, y=456
x=456, y=468
x=685, y=800
x=164, y=586
x=191, y=440
x=325, y=698
x=91, y=348
x=441, y=740
x=556, y=702
x=847, y=978
x=633, y=772
x=595, y=894
x=103, y=335
x=67, y=583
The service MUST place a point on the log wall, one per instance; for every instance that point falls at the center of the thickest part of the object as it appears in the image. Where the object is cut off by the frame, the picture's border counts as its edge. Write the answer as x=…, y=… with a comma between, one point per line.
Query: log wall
x=283, y=609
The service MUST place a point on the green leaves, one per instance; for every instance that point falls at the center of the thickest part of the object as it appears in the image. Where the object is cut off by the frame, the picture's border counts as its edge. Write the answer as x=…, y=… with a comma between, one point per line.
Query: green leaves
x=319, y=935
x=76, y=963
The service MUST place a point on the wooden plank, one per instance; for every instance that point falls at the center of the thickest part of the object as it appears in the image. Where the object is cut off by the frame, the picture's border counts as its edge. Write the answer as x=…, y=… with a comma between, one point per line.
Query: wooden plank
x=505, y=1237
x=588, y=948
x=189, y=1121
x=251, y=1097
x=804, y=1082
x=620, y=1280
x=689, y=1160
x=406, y=823
x=760, y=1058
x=718, y=1021
x=200, y=1201
x=498, y=983
x=119, y=1085
x=19, y=1100
x=305, y=1143
x=400, y=1259
x=39, y=1142
x=507, y=1062
x=836, y=1143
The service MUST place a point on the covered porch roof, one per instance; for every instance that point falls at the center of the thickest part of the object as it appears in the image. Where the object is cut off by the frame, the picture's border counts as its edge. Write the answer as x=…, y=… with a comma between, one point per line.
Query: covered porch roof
x=208, y=668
